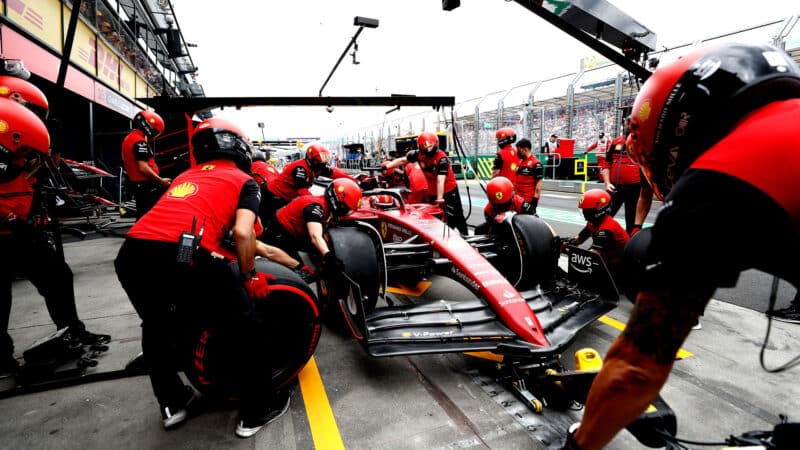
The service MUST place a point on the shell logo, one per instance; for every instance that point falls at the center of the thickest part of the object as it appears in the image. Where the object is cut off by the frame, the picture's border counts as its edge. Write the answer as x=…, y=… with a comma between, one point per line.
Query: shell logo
x=602, y=199
x=498, y=195
x=152, y=120
x=644, y=111
x=208, y=167
x=340, y=188
x=3, y=126
x=183, y=190
x=4, y=90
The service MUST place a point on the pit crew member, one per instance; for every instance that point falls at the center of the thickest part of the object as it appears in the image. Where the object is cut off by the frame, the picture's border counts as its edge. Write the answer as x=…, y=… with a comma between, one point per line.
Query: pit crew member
x=528, y=183
x=507, y=161
x=139, y=161
x=173, y=247
x=442, y=186
x=693, y=126
x=502, y=198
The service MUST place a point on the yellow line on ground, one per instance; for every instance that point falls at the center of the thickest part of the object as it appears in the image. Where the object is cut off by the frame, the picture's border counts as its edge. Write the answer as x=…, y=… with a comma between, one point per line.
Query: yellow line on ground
x=682, y=354
x=323, y=426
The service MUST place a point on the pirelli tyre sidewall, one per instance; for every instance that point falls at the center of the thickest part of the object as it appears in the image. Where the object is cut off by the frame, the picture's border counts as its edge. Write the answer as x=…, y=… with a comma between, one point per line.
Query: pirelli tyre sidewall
x=292, y=324
x=360, y=257
x=538, y=248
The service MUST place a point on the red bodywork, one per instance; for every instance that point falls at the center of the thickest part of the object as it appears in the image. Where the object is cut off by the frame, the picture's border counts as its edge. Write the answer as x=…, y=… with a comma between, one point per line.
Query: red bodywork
x=469, y=266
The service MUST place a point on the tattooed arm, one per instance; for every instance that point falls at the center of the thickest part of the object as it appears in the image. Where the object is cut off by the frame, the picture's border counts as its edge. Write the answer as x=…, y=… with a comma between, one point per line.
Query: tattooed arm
x=638, y=363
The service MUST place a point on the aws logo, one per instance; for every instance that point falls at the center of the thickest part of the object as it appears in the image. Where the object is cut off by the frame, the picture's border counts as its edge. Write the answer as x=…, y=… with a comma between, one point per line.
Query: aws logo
x=183, y=190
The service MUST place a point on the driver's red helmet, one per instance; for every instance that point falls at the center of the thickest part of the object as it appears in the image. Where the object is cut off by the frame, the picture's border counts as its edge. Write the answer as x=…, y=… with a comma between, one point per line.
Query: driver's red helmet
x=21, y=130
x=317, y=156
x=687, y=106
x=505, y=136
x=24, y=93
x=427, y=142
x=343, y=195
x=500, y=190
x=382, y=201
x=594, y=203
x=149, y=122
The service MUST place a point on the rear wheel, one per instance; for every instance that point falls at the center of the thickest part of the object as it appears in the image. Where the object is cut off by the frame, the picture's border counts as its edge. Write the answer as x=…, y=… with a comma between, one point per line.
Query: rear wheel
x=291, y=324
x=528, y=249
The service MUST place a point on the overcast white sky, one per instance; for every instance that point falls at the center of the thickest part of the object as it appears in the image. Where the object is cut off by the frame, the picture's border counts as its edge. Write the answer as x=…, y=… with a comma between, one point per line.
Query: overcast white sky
x=288, y=47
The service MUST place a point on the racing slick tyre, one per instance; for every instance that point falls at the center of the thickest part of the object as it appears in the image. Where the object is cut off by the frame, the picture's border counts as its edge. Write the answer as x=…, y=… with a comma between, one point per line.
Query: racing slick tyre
x=291, y=321
x=530, y=254
x=360, y=287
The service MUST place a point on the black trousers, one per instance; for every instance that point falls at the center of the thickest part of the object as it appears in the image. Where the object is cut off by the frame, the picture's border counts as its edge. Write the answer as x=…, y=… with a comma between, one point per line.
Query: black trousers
x=627, y=195
x=146, y=195
x=33, y=255
x=172, y=298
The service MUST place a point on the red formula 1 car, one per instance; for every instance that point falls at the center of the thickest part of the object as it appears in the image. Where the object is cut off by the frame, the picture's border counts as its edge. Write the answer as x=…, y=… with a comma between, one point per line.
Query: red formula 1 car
x=412, y=285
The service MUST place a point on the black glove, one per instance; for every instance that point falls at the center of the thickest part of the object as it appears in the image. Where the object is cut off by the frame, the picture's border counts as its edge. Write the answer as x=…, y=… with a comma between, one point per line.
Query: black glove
x=331, y=264
x=368, y=183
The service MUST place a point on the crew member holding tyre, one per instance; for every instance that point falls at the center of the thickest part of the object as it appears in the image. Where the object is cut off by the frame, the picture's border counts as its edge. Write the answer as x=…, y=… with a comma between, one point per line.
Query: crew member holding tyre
x=139, y=161
x=502, y=198
x=301, y=223
x=442, y=186
x=169, y=266
x=693, y=127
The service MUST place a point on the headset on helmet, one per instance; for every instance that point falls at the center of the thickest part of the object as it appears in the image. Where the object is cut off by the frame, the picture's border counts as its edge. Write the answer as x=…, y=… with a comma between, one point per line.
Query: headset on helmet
x=505, y=136
x=21, y=130
x=24, y=93
x=687, y=106
x=317, y=156
x=594, y=203
x=500, y=191
x=217, y=138
x=149, y=122
x=343, y=195
x=427, y=142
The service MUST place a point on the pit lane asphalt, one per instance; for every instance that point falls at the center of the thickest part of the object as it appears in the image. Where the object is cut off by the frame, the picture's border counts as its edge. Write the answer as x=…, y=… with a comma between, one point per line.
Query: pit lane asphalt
x=348, y=400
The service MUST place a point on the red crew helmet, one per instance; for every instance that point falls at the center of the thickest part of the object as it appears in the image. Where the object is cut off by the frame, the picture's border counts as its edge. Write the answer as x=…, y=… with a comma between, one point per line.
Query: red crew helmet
x=317, y=156
x=24, y=93
x=687, y=106
x=505, y=136
x=427, y=142
x=217, y=138
x=149, y=122
x=21, y=130
x=500, y=190
x=343, y=195
x=594, y=203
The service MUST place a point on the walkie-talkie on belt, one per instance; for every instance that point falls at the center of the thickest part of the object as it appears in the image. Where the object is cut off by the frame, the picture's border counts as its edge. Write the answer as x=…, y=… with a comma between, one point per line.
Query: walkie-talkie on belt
x=188, y=243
